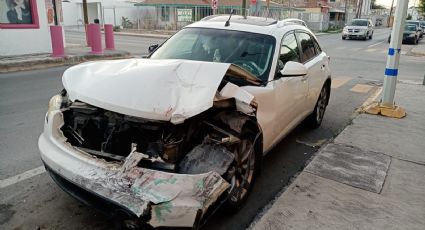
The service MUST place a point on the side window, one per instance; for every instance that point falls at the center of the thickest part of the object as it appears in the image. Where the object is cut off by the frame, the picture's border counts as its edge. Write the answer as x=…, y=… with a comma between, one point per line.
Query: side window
x=289, y=50
x=307, y=46
x=317, y=46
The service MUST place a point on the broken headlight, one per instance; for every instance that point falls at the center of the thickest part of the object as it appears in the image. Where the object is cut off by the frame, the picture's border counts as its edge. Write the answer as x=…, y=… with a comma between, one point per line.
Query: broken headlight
x=58, y=101
x=55, y=103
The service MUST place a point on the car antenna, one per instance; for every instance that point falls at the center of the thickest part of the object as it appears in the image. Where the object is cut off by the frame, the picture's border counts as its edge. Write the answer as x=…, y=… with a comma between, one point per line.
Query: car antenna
x=228, y=20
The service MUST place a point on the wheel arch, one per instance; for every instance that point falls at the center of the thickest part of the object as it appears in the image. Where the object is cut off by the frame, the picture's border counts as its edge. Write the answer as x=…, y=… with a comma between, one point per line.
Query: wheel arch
x=327, y=84
x=253, y=125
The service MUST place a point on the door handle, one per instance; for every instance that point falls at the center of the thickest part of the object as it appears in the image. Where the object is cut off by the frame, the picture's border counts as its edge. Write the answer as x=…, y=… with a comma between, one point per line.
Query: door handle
x=304, y=78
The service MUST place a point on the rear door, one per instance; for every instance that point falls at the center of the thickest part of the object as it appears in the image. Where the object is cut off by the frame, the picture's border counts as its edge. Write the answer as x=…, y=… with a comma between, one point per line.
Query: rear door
x=316, y=63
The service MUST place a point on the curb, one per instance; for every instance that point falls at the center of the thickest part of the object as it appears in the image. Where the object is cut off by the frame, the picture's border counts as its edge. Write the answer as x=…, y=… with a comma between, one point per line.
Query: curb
x=129, y=34
x=416, y=53
x=57, y=61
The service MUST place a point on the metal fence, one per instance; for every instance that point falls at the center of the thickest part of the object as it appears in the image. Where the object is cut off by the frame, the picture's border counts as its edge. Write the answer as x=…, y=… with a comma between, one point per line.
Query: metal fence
x=164, y=17
x=174, y=17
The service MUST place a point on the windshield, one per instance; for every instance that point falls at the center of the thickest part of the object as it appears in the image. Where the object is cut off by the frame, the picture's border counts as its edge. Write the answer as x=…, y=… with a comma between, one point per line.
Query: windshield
x=359, y=23
x=252, y=52
x=410, y=27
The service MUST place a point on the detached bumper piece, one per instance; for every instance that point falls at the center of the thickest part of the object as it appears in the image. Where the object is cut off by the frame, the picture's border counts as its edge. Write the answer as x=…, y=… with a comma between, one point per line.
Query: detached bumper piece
x=106, y=206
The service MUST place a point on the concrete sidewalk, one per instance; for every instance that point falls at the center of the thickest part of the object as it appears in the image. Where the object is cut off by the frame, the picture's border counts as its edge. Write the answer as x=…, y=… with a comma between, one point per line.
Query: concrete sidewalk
x=73, y=55
x=419, y=50
x=372, y=176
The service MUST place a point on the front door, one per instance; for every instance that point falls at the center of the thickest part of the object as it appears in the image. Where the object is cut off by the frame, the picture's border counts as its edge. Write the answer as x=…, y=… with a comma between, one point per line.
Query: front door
x=290, y=92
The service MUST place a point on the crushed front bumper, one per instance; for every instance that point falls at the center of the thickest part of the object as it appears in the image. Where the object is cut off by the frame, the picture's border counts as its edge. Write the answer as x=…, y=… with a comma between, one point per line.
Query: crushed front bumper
x=158, y=198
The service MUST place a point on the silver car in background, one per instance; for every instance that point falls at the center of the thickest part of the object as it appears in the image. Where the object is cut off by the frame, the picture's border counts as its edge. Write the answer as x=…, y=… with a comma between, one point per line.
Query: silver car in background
x=358, y=29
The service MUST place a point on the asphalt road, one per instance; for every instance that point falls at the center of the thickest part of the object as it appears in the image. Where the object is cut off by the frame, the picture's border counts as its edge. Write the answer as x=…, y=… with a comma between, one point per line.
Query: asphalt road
x=37, y=202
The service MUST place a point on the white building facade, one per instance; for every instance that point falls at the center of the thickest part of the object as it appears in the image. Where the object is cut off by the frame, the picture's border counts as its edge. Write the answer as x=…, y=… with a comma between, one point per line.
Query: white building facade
x=106, y=11
x=26, y=31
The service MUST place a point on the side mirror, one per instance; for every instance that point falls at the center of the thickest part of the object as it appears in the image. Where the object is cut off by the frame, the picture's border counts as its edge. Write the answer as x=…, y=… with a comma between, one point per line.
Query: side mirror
x=152, y=48
x=293, y=69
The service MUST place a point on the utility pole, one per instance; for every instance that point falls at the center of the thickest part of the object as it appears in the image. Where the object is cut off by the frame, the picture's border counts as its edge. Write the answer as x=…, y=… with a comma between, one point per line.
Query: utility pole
x=391, y=13
x=386, y=106
x=391, y=70
x=244, y=8
x=55, y=13
x=86, y=19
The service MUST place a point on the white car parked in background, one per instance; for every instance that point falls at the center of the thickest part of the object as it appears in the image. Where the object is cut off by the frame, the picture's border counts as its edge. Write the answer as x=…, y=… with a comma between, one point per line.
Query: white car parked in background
x=162, y=140
x=358, y=29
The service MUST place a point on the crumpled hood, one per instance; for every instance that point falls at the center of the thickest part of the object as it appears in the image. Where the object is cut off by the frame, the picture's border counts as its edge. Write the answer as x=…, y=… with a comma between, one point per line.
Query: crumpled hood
x=153, y=89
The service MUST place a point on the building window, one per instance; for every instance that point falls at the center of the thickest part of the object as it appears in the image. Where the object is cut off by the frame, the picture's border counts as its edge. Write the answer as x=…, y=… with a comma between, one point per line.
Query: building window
x=16, y=14
x=165, y=13
x=331, y=0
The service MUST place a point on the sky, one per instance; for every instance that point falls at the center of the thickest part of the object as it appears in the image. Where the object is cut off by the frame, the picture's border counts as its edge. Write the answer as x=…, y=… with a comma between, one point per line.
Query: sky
x=387, y=3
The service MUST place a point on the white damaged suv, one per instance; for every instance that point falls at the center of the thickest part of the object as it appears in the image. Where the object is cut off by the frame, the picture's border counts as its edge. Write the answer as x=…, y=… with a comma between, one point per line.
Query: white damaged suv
x=167, y=140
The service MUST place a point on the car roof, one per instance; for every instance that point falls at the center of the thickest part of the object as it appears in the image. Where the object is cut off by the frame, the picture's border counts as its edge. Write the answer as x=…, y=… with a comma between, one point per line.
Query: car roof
x=251, y=24
x=258, y=21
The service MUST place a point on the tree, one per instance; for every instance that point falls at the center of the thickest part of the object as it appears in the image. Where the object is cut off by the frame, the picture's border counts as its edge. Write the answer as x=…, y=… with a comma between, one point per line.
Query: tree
x=377, y=6
x=422, y=6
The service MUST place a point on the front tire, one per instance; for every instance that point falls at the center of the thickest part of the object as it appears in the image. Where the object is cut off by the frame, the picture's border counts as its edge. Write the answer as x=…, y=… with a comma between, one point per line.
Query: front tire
x=314, y=120
x=244, y=172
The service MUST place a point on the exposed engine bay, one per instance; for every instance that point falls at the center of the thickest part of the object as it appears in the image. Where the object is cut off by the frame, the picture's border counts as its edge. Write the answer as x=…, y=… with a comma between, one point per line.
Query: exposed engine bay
x=178, y=148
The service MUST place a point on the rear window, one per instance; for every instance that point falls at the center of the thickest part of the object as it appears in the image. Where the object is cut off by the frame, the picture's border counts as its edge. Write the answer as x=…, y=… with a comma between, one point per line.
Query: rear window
x=410, y=27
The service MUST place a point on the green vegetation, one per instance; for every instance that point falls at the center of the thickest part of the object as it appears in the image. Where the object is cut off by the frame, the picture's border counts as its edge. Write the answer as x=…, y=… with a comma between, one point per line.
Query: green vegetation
x=422, y=6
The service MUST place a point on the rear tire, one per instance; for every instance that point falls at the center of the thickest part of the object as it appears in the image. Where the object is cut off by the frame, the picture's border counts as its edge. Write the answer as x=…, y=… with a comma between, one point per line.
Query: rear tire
x=343, y=38
x=314, y=120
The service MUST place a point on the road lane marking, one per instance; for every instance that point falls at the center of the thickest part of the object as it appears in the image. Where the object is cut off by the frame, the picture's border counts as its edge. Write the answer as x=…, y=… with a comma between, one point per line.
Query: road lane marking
x=337, y=82
x=370, y=50
x=361, y=88
x=356, y=49
x=23, y=176
x=376, y=44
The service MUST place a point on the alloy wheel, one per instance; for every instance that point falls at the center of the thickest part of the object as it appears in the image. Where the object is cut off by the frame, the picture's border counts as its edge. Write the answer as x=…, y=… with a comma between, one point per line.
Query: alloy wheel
x=244, y=174
x=321, y=105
